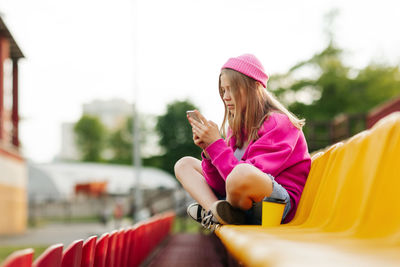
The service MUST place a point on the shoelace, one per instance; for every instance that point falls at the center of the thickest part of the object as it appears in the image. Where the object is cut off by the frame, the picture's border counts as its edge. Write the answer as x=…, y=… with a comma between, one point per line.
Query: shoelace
x=208, y=222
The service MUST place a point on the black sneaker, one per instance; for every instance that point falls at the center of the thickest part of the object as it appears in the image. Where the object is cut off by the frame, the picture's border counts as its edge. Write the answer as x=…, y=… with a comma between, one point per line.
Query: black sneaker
x=200, y=215
x=226, y=214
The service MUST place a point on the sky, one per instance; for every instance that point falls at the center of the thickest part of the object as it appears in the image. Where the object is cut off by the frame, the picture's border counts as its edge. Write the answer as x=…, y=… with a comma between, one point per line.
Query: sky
x=78, y=51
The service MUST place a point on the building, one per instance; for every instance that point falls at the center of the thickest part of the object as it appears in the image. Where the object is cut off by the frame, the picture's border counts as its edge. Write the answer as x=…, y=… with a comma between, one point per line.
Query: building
x=56, y=181
x=112, y=113
x=13, y=174
x=52, y=188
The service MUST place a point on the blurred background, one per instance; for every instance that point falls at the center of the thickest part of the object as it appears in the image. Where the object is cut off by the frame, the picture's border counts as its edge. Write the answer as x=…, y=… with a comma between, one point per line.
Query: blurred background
x=73, y=73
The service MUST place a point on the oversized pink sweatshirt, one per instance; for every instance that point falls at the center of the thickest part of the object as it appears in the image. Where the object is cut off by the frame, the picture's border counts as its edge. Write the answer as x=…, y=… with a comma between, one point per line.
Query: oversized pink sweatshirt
x=281, y=151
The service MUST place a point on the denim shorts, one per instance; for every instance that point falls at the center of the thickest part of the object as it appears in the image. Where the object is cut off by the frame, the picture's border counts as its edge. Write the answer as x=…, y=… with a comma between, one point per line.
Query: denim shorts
x=253, y=215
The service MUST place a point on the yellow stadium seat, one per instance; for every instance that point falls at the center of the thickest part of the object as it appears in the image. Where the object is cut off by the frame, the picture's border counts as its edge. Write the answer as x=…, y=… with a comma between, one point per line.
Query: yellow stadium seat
x=313, y=182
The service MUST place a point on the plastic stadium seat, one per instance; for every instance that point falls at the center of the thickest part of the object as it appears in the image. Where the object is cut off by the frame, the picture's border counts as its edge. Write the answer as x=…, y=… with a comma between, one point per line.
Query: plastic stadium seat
x=72, y=255
x=132, y=253
x=20, y=258
x=101, y=251
x=51, y=257
x=119, y=247
x=126, y=247
x=112, y=241
x=88, y=250
x=312, y=185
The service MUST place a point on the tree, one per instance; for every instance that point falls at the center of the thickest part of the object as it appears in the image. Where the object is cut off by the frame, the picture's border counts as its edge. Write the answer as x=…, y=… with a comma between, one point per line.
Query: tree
x=329, y=87
x=176, y=136
x=90, y=136
x=120, y=143
x=333, y=90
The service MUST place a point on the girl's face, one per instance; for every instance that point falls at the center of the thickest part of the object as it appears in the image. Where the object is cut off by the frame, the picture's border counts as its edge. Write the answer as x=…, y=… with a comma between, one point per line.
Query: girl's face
x=228, y=95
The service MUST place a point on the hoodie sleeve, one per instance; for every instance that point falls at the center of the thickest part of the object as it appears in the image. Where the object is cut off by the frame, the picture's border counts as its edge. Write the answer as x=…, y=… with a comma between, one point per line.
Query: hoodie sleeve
x=212, y=176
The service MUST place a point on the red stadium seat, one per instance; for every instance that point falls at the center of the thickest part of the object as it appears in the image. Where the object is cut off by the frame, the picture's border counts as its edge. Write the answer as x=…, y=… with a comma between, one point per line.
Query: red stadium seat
x=126, y=247
x=88, y=250
x=101, y=251
x=20, y=258
x=119, y=247
x=110, y=259
x=72, y=255
x=51, y=257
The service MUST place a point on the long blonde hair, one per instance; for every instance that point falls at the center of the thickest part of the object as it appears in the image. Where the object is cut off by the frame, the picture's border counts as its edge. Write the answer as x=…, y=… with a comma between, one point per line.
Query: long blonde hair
x=259, y=104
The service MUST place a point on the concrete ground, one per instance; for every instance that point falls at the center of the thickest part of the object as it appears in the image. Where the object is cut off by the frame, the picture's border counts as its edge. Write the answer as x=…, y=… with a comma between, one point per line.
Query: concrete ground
x=54, y=233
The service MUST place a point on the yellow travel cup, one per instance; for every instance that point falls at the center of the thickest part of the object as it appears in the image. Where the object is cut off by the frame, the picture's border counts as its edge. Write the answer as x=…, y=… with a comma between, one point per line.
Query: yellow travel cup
x=272, y=212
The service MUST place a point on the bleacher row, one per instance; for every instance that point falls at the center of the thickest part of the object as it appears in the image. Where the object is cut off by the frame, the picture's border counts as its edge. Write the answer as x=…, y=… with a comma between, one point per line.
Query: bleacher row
x=348, y=215
x=120, y=248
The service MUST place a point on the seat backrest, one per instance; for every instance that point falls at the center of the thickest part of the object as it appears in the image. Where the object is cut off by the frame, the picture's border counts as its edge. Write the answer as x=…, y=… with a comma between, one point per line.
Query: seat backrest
x=352, y=179
x=140, y=243
x=112, y=242
x=319, y=170
x=101, y=250
x=381, y=213
x=359, y=179
x=126, y=247
x=88, y=251
x=346, y=185
x=365, y=153
x=326, y=195
x=20, y=258
x=132, y=241
x=119, y=243
x=51, y=257
x=72, y=255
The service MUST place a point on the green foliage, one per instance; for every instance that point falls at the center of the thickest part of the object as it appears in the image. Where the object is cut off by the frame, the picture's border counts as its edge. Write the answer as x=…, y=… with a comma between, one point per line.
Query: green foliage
x=176, y=134
x=120, y=143
x=115, y=146
x=90, y=137
x=374, y=85
x=154, y=161
x=338, y=88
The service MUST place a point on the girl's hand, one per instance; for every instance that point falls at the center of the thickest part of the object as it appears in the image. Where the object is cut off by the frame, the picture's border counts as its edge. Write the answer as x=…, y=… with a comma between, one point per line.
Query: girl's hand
x=204, y=133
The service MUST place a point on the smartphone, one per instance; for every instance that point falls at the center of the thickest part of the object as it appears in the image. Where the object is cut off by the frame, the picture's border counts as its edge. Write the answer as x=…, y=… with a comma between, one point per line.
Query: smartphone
x=193, y=115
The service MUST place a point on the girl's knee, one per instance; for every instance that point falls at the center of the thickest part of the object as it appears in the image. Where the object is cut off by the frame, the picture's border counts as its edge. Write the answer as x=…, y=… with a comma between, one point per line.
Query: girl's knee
x=237, y=181
x=186, y=167
x=241, y=174
x=248, y=181
x=182, y=163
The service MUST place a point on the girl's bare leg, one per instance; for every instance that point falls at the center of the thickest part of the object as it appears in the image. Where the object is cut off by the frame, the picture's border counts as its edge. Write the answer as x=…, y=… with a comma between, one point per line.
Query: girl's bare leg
x=189, y=173
x=247, y=184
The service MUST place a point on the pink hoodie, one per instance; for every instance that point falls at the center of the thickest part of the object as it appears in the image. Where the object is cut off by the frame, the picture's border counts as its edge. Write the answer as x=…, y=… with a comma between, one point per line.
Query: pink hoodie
x=280, y=151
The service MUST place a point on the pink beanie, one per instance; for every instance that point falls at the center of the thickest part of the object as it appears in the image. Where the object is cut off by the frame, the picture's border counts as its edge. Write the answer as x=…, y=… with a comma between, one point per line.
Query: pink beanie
x=248, y=65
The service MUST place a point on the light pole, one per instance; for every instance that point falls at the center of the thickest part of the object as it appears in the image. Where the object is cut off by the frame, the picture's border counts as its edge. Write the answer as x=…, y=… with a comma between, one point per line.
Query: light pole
x=137, y=162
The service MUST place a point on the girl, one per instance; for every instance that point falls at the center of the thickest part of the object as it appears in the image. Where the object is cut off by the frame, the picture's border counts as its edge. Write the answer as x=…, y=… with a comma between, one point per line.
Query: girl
x=264, y=154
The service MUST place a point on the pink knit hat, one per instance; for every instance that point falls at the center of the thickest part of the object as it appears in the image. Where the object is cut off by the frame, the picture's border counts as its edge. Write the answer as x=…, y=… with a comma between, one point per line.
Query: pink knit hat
x=248, y=65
